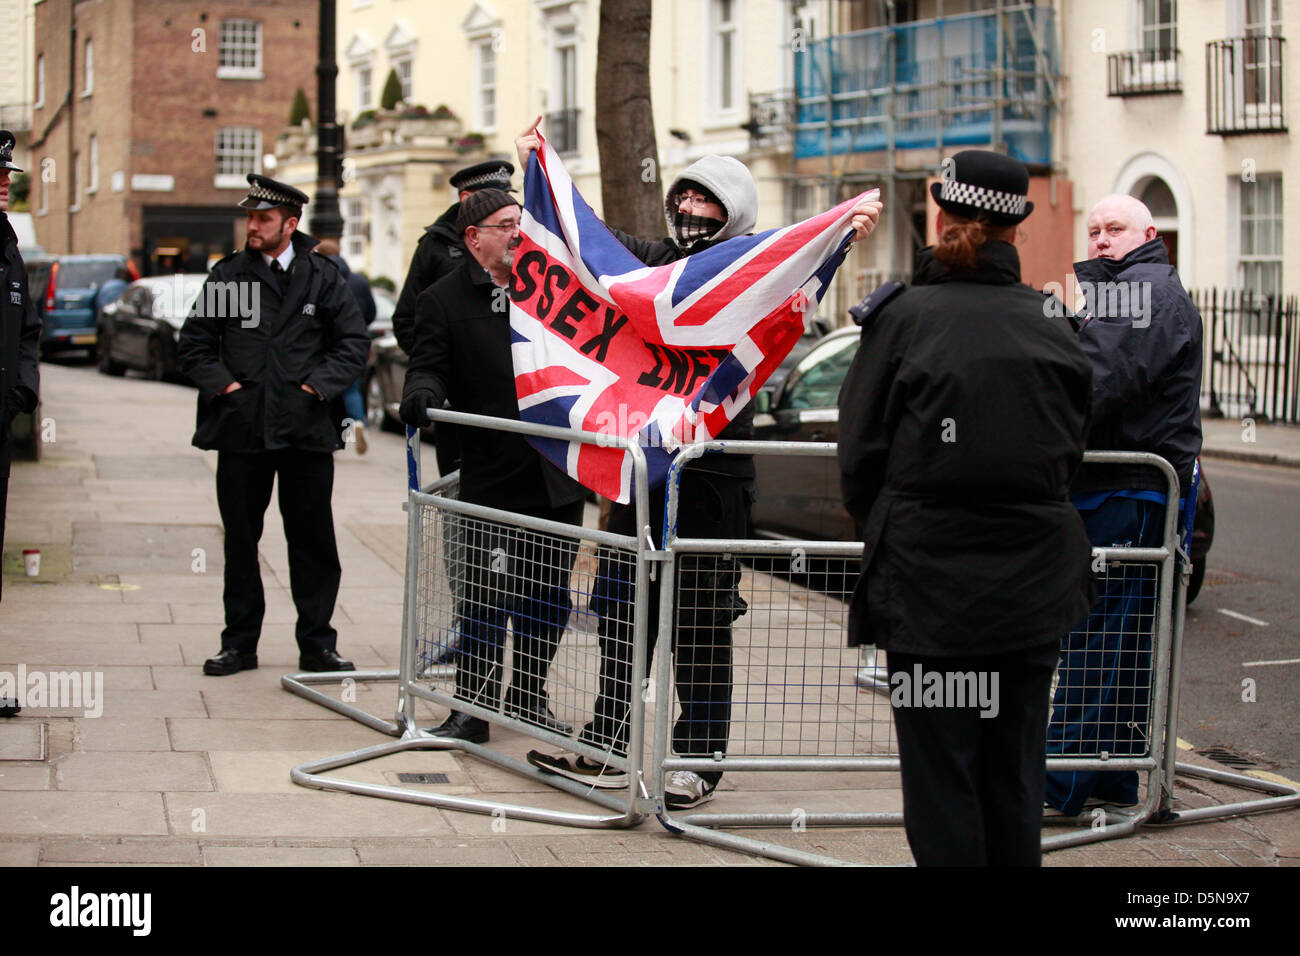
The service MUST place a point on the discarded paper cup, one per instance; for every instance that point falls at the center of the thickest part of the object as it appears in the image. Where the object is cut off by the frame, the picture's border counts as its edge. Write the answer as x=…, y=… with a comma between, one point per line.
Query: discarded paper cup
x=32, y=561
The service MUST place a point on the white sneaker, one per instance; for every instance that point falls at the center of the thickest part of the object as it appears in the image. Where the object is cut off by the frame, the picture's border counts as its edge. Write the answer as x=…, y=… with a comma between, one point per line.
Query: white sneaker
x=686, y=789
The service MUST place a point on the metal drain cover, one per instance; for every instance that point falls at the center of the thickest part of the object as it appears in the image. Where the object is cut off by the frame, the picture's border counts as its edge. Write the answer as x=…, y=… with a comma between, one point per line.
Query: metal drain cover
x=422, y=778
x=1220, y=755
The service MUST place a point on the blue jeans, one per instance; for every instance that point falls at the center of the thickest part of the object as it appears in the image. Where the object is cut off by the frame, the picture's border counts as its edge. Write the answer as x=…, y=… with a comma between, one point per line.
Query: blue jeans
x=356, y=408
x=1103, y=695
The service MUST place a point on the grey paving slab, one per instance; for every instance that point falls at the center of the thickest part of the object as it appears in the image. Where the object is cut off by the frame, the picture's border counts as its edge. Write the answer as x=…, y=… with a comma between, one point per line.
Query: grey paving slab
x=24, y=776
x=53, y=813
x=138, y=771
x=22, y=597
x=156, y=850
x=478, y=853
x=45, y=630
x=333, y=736
x=279, y=856
x=152, y=467
x=75, y=616
x=22, y=739
x=15, y=853
x=122, y=734
x=310, y=813
x=80, y=653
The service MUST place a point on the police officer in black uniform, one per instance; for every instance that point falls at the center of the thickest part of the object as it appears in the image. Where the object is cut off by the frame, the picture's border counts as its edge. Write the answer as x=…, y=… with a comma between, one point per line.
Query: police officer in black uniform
x=273, y=338
x=20, y=327
x=20, y=332
x=439, y=251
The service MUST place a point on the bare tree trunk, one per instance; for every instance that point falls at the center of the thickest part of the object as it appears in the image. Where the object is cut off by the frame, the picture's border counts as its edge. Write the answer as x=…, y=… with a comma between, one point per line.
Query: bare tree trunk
x=630, y=190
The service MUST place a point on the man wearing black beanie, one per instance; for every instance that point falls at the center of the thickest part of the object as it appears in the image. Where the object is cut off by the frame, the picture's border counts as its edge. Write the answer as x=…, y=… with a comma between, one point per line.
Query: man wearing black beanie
x=462, y=353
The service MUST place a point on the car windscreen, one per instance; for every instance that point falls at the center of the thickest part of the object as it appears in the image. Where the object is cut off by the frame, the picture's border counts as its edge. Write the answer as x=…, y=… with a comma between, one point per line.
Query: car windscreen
x=83, y=275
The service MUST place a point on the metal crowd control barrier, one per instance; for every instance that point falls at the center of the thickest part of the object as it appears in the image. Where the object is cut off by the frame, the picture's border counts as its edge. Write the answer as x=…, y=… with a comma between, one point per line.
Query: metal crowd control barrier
x=468, y=569
x=793, y=691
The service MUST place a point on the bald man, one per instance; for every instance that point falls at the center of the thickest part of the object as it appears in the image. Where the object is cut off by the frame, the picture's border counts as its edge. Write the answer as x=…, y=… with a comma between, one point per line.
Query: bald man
x=1143, y=336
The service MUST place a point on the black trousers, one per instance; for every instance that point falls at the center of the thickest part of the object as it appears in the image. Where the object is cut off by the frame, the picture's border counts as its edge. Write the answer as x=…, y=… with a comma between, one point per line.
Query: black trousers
x=973, y=785
x=522, y=577
x=243, y=493
x=708, y=601
x=4, y=497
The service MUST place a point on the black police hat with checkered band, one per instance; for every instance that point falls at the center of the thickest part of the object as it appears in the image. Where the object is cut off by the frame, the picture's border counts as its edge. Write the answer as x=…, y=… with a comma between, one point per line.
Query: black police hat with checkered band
x=494, y=174
x=266, y=193
x=979, y=184
x=7, y=143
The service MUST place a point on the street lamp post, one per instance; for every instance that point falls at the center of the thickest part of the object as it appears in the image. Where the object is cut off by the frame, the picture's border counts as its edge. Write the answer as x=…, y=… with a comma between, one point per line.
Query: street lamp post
x=326, y=222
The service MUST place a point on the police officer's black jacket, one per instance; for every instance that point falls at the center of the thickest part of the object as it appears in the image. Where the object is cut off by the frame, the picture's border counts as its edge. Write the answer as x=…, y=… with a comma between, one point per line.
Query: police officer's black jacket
x=20, y=332
x=1146, y=367
x=462, y=353
x=438, y=252
x=311, y=334
x=962, y=422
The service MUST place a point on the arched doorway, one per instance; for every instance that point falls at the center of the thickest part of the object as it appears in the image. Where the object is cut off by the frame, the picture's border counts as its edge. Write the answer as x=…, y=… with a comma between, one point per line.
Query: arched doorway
x=1159, y=198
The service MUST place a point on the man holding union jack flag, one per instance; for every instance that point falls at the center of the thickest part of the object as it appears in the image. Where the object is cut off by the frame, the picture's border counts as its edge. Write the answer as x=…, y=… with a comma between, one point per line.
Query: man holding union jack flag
x=714, y=200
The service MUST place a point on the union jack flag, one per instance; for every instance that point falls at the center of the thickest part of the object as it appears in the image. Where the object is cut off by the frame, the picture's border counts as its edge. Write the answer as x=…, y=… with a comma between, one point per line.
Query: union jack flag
x=670, y=354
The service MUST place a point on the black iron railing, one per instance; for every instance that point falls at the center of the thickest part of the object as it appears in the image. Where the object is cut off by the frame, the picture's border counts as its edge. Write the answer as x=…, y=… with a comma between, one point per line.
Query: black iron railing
x=1252, y=347
x=1144, y=72
x=1244, y=86
x=562, y=130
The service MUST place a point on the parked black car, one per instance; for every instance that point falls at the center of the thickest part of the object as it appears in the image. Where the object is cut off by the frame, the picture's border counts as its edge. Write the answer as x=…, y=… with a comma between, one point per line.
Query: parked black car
x=140, y=329
x=799, y=497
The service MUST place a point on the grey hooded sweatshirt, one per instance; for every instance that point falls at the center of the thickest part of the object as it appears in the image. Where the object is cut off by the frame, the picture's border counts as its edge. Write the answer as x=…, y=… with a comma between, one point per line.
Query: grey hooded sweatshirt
x=731, y=182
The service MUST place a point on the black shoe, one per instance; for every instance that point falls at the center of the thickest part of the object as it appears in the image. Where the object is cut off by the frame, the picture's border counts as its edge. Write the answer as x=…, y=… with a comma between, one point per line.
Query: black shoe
x=229, y=661
x=9, y=707
x=324, y=661
x=472, y=730
x=536, y=712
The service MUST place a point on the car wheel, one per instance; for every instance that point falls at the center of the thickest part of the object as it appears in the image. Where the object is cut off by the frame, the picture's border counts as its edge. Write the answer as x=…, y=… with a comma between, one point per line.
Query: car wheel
x=155, y=369
x=104, y=355
x=1197, y=579
x=377, y=416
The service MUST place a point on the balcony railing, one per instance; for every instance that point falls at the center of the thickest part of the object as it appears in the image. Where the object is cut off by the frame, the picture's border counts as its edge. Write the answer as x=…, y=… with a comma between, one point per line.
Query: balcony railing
x=771, y=119
x=562, y=131
x=1144, y=72
x=1244, y=86
x=16, y=116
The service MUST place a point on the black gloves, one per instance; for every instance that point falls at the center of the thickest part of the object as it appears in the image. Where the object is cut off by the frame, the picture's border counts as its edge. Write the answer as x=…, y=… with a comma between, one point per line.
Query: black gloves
x=415, y=407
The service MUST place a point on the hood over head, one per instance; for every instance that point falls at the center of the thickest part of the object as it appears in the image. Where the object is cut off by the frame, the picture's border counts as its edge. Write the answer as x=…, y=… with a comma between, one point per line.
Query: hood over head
x=730, y=181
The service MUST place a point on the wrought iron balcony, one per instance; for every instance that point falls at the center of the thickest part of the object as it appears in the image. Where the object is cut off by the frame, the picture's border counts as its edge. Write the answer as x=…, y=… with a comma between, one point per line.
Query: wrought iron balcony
x=562, y=131
x=1144, y=72
x=1244, y=86
x=772, y=117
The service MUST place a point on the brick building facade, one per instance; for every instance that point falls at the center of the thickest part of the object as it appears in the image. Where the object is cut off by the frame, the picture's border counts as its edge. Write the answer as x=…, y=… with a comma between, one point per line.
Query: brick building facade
x=154, y=111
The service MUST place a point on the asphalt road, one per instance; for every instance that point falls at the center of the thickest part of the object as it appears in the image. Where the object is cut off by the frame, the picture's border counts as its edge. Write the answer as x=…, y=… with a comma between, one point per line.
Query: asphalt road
x=1245, y=618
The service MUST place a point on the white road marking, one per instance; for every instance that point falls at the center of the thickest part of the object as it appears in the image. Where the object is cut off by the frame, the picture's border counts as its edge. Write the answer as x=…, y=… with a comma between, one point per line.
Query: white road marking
x=1293, y=660
x=1243, y=617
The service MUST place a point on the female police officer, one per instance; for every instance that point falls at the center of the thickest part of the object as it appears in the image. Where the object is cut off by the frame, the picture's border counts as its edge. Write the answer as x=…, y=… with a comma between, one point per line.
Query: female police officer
x=962, y=421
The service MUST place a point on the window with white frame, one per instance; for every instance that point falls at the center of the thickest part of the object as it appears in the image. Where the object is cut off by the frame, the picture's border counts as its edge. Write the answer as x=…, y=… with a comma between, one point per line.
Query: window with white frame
x=44, y=188
x=402, y=65
x=1157, y=26
x=485, y=84
x=355, y=230
x=76, y=183
x=93, y=183
x=240, y=56
x=88, y=83
x=1259, y=263
x=724, y=58
x=562, y=104
x=238, y=152
x=364, y=75
x=40, y=81
x=1262, y=53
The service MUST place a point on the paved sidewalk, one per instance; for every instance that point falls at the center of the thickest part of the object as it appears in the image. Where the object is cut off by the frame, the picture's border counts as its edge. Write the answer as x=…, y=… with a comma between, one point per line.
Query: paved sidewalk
x=1246, y=440
x=190, y=770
